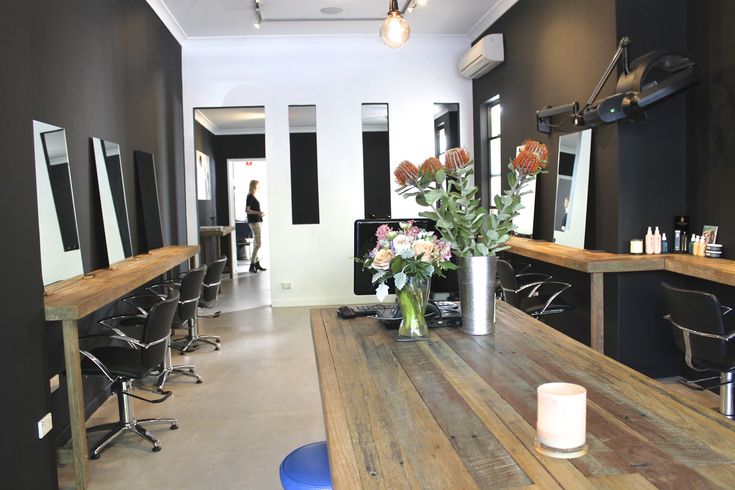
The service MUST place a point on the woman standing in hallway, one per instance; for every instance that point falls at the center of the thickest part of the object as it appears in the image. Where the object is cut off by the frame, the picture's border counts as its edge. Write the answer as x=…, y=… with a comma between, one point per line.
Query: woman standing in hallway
x=255, y=218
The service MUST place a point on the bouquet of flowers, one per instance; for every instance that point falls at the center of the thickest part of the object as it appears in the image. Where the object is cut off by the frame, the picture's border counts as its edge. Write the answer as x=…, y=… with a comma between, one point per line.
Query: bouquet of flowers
x=449, y=191
x=409, y=256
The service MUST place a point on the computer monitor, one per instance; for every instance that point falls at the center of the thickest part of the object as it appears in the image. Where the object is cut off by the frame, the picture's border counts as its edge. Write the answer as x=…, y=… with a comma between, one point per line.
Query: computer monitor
x=364, y=237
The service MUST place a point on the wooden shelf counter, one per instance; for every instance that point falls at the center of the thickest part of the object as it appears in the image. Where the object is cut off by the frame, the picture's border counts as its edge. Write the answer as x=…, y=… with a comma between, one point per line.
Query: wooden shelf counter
x=459, y=411
x=598, y=263
x=73, y=299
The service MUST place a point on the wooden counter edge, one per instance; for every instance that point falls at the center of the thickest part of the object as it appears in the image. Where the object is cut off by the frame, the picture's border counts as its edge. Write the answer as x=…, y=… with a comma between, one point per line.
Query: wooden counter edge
x=339, y=441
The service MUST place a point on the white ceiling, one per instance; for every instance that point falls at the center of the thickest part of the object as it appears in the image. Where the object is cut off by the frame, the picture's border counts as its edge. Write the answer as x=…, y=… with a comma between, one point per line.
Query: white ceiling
x=235, y=18
x=232, y=120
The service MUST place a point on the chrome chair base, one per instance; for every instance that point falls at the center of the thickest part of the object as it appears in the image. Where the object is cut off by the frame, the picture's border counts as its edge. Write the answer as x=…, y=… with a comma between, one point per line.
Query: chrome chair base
x=127, y=423
x=192, y=341
x=169, y=369
x=727, y=402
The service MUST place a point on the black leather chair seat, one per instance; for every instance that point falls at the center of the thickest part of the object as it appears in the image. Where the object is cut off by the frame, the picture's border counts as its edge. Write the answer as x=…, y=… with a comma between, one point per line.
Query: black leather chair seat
x=535, y=305
x=119, y=361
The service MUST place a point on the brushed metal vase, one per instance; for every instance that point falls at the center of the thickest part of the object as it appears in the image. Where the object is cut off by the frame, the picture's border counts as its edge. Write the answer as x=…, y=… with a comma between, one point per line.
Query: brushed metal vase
x=477, y=280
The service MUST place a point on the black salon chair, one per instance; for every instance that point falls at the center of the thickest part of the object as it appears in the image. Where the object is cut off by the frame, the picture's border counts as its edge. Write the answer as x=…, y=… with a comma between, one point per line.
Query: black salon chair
x=211, y=287
x=189, y=287
x=536, y=298
x=124, y=359
x=188, y=318
x=703, y=334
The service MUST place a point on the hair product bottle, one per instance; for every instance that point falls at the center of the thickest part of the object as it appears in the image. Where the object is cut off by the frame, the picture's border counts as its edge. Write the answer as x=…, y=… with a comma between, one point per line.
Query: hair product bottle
x=664, y=244
x=649, y=241
x=677, y=241
x=691, y=244
x=657, y=241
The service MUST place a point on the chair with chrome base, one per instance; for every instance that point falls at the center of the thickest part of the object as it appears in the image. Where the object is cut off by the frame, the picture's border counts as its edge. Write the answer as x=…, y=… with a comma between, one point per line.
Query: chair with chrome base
x=187, y=318
x=702, y=332
x=211, y=287
x=536, y=298
x=125, y=359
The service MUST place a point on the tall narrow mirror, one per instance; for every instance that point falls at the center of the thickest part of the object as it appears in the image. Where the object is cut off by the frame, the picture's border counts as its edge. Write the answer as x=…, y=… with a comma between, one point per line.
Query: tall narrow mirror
x=446, y=128
x=110, y=182
x=61, y=257
x=376, y=161
x=145, y=170
x=304, y=165
x=572, y=184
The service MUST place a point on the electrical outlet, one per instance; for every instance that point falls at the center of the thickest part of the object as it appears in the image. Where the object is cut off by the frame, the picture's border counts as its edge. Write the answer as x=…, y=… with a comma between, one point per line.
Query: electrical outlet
x=45, y=425
x=286, y=285
x=54, y=383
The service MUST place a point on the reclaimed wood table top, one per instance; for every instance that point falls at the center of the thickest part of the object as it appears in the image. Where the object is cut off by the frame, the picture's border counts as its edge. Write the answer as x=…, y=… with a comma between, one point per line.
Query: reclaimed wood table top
x=584, y=260
x=458, y=412
x=216, y=230
x=76, y=298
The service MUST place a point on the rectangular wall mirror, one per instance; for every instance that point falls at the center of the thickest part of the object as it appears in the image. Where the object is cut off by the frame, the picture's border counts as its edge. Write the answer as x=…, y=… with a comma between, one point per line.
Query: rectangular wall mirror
x=304, y=165
x=61, y=257
x=572, y=184
x=376, y=161
x=108, y=164
x=446, y=128
x=145, y=170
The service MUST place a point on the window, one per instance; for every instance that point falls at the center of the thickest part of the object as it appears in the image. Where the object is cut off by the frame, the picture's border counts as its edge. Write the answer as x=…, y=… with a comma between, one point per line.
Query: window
x=493, y=135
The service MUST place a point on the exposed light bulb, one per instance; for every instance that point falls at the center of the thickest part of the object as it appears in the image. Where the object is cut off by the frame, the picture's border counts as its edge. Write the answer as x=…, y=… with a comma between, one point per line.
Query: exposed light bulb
x=395, y=31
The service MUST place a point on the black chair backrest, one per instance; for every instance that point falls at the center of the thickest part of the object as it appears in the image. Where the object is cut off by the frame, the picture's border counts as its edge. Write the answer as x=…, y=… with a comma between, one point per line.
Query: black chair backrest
x=699, y=311
x=213, y=279
x=507, y=278
x=157, y=327
x=189, y=293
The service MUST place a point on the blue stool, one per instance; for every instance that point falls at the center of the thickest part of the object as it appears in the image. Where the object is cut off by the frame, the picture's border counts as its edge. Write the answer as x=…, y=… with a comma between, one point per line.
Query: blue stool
x=307, y=468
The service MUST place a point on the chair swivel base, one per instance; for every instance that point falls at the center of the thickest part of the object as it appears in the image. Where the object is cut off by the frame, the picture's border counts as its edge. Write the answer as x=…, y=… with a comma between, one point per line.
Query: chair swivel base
x=184, y=369
x=190, y=343
x=127, y=423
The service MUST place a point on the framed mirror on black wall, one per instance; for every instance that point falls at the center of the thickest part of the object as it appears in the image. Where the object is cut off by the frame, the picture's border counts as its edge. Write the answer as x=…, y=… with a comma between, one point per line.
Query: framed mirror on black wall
x=61, y=257
x=572, y=185
x=446, y=128
x=111, y=185
x=304, y=164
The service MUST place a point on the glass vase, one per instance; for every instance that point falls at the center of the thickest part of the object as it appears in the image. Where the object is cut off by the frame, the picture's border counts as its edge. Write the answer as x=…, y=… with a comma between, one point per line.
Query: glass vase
x=413, y=299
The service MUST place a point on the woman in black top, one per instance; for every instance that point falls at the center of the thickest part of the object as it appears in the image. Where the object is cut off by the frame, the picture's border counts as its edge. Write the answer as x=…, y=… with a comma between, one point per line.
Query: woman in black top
x=255, y=218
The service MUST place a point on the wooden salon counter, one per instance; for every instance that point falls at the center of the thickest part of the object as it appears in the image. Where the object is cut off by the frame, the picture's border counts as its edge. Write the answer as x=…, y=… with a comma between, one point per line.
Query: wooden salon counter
x=598, y=263
x=459, y=412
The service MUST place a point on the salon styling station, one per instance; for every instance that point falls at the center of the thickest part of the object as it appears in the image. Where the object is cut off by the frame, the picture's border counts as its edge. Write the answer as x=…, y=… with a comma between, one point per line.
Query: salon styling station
x=596, y=264
x=73, y=299
x=459, y=411
x=217, y=232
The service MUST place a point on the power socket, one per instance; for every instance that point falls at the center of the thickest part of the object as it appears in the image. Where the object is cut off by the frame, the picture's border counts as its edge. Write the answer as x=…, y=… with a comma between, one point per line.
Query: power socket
x=45, y=425
x=54, y=383
x=286, y=285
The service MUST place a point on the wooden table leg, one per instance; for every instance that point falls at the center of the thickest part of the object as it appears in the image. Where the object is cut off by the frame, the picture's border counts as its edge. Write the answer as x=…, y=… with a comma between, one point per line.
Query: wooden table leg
x=76, y=401
x=597, y=312
x=229, y=252
x=193, y=262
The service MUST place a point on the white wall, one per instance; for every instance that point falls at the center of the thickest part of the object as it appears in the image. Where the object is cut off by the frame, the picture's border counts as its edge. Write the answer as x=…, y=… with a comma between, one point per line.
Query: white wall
x=337, y=74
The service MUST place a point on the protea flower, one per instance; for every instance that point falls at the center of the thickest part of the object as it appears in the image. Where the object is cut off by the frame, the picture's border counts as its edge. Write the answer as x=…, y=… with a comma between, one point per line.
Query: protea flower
x=430, y=166
x=406, y=173
x=532, y=159
x=456, y=158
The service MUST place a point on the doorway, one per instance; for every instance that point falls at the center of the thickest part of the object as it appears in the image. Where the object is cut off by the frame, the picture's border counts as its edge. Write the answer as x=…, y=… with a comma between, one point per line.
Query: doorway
x=241, y=172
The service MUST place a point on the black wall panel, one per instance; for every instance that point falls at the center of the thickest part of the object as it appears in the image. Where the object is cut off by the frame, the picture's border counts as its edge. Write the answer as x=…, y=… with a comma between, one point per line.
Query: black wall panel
x=204, y=142
x=245, y=146
x=304, y=179
x=376, y=174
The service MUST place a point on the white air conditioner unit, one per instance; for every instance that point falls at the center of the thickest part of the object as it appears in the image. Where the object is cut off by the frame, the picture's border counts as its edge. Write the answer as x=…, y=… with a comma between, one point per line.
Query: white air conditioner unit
x=482, y=57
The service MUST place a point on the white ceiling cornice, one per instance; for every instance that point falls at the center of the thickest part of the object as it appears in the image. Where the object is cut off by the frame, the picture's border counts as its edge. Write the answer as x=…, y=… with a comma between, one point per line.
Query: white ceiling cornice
x=168, y=20
x=487, y=20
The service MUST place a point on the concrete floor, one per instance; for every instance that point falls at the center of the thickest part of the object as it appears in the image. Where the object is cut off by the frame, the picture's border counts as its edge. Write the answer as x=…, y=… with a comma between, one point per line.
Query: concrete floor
x=259, y=400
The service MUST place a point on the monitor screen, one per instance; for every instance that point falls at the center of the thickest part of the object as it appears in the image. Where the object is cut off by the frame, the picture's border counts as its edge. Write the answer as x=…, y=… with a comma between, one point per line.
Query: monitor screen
x=364, y=241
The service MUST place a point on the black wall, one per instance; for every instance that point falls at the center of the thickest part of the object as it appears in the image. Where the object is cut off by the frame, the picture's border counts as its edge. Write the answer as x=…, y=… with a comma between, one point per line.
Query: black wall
x=304, y=179
x=204, y=142
x=555, y=52
x=96, y=68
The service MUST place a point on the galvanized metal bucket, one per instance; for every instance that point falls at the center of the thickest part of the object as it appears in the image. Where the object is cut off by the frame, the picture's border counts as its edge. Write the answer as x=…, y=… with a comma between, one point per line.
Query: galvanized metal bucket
x=477, y=280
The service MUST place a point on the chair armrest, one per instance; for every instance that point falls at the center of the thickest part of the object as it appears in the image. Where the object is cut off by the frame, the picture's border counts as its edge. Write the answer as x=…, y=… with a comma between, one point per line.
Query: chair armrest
x=142, y=302
x=113, y=322
x=725, y=309
x=558, y=288
x=161, y=289
x=532, y=277
x=729, y=336
x=98, y=363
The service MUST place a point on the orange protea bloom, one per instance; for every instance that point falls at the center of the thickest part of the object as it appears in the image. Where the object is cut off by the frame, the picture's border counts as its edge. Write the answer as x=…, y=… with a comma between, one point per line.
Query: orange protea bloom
x=456, y=158
x=406, y=173
x=431, y=165
x=532, y=159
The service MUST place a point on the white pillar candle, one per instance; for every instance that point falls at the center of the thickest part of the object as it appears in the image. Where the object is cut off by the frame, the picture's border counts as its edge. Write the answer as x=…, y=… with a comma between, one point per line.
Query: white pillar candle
x=636, y=246
x=561, y=422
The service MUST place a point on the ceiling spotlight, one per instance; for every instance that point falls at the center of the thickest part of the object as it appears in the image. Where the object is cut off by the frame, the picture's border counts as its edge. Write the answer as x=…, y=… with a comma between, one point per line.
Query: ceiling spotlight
x=331, y=10
x=395, y=31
